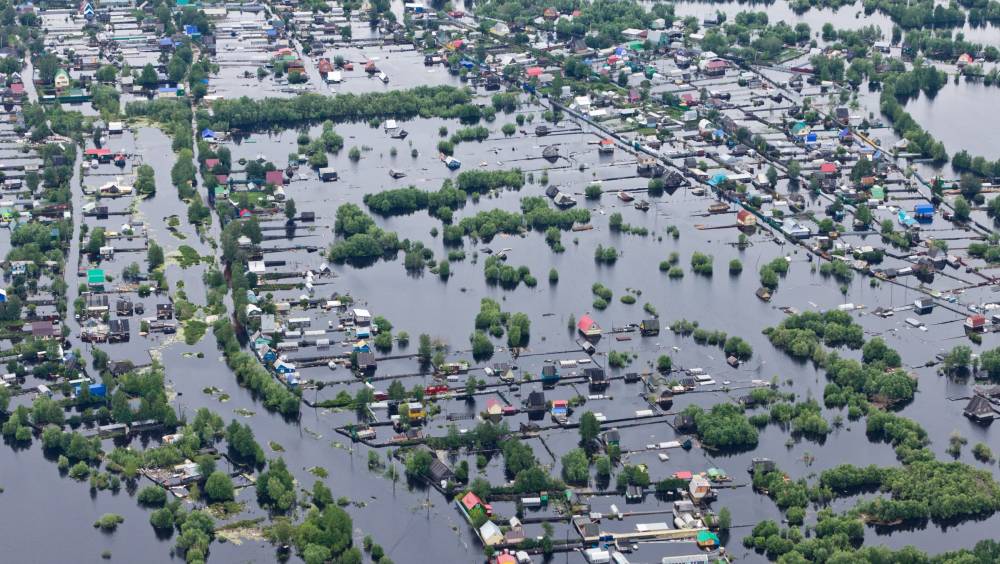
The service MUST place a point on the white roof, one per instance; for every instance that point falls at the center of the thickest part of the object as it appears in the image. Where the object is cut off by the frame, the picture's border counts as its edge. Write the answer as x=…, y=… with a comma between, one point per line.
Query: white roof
x=361, y=313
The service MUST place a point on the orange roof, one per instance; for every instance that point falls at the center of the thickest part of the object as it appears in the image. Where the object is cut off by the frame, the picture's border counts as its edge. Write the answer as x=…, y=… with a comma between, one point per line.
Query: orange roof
x=470, y=501
x=586, y=323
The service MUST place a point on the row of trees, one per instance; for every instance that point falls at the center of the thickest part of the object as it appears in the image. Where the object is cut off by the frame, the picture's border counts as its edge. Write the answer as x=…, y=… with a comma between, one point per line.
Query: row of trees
x=248, y=114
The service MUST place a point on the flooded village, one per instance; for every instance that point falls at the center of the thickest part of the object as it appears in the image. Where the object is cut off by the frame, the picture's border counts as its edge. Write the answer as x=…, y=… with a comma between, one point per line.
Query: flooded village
x=504, y=282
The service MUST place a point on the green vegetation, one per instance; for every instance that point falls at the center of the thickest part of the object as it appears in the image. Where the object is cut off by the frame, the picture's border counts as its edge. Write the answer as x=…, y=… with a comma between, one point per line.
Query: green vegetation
x=701, y=264
x=723, y=427
x=249, y=114
x=109, y=522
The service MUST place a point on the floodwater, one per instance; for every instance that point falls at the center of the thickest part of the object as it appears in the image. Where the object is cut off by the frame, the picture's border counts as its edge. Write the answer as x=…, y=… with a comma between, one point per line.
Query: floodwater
x=408, y=520
x=848, y=17
x=959, y=116
x=720, y=302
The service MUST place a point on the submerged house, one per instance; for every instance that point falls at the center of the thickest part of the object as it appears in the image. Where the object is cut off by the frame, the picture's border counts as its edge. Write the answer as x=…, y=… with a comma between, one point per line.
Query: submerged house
x=979, y=409
x=535, y=404
x=596, y=377
x=588, y=327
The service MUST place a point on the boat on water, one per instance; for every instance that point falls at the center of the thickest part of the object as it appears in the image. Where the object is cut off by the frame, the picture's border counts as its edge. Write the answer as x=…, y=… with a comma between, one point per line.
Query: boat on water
x=348, y=66
x=551, y=153
x=542, y=130
x=718, y=208
x=625, y=196
x=383, y=77
x=399, y=134
x=642, y=205
x=396, y=173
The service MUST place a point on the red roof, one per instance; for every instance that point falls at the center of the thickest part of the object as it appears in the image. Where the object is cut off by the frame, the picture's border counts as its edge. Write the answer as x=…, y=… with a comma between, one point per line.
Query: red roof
x=275, y=177
x=742, y=215
x=586, y=323
x=210, y=163
x=716, y=64
x=607, y=141
x=470, y=501
x=828, y=168
x=97, y=152
x=17, y=88
x=683, y=475
x=222, y=178
x=976, y=320
x=506, y=559
x=533, y=71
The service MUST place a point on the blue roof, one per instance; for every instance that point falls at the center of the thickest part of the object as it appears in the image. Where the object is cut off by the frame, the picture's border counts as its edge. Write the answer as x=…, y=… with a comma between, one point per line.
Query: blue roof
x=206, y=133
x=717, y=179
x=166, y=41
x=811, y=138
x=923, y=208
x=166, y=89
x=272, y=32
x=191, y=30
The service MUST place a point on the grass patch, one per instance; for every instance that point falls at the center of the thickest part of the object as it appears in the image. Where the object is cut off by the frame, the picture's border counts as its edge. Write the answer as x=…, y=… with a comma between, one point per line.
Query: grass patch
x=189, y=256
x=194, y=330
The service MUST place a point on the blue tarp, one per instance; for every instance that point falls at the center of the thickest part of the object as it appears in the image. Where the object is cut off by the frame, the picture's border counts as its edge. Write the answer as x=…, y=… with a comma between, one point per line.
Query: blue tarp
x=191, y=30
x=96, y=390
x=923, y=209
x=272, y=32
x=207, y=134
x=166, y=42
x=811, y=138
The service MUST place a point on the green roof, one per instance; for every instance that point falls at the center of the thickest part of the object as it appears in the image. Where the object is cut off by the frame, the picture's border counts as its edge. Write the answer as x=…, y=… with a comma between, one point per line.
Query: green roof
x=95, y=276
x=705, y=536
